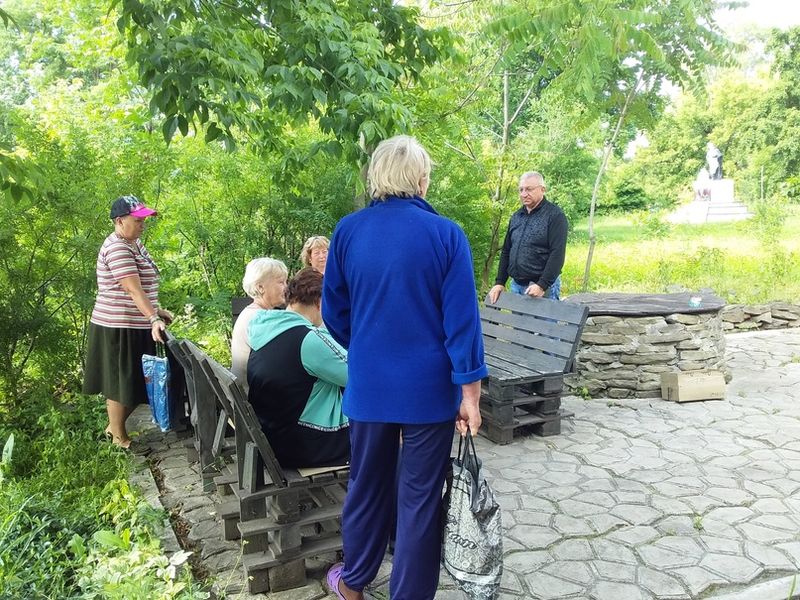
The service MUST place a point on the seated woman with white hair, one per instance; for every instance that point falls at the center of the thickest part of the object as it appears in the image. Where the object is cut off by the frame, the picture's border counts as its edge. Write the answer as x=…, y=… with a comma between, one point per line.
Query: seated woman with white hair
x=265, y=282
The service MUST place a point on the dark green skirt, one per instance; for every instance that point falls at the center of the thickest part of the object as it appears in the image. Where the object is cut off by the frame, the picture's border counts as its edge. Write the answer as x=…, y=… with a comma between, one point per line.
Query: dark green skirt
x=114, y=363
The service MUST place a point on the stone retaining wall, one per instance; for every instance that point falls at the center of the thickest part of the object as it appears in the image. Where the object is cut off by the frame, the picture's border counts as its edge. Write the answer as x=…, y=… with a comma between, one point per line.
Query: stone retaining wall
x=623, y=357
x=775, y=315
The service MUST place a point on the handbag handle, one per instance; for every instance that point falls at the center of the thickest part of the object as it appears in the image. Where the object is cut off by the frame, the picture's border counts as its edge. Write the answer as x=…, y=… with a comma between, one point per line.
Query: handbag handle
x=160, y=350
x=468, y=457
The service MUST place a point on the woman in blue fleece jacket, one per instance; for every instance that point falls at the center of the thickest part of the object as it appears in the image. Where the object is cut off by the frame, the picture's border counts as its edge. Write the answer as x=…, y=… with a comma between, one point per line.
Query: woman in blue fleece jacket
x=399, y=294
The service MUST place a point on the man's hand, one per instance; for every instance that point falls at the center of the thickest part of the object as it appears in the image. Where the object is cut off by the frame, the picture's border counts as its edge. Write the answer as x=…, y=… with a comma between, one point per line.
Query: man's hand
x=535, y=291
x=469, y=413
x=495, y=292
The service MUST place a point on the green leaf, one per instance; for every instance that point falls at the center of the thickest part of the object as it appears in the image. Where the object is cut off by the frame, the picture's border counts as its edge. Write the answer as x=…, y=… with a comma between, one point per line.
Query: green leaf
x=168, y=128
x=213, y=132
x=108, y=538
x=183, y=125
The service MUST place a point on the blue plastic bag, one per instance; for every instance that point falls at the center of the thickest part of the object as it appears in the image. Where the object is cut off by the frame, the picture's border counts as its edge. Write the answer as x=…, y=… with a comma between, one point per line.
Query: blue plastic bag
x=156, y=380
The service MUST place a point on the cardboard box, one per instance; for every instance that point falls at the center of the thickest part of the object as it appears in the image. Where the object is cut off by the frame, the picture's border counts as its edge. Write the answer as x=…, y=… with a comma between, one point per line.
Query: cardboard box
x=687, y=386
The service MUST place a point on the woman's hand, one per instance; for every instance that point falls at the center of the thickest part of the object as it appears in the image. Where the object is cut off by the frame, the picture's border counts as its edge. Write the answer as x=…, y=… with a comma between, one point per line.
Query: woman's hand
x=157, y=330
x=469, y=413
x=166, y=315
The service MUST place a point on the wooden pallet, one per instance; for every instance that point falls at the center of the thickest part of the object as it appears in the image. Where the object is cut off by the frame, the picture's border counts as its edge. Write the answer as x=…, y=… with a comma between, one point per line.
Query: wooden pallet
x=529, y=344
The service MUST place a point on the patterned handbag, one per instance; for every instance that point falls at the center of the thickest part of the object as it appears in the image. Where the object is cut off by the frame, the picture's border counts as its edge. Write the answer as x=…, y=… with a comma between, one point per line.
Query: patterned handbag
x=473, y=532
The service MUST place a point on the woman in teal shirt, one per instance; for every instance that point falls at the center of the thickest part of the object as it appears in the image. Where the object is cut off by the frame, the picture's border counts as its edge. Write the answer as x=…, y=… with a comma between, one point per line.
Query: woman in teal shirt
x=296, y=373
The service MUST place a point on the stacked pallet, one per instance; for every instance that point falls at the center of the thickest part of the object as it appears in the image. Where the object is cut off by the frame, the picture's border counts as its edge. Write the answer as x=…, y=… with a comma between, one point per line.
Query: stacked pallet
x=529, y=344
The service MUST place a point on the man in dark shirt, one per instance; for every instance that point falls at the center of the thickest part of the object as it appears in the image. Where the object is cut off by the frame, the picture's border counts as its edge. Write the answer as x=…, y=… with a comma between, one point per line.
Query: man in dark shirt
x=535, y=244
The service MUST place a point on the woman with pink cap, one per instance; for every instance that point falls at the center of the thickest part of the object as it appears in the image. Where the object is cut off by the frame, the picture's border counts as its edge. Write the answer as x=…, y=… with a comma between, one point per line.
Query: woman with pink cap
x=126, y=320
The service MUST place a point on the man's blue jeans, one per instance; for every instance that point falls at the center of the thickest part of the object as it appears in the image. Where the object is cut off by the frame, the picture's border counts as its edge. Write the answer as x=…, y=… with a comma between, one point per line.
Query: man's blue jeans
x=553, y=292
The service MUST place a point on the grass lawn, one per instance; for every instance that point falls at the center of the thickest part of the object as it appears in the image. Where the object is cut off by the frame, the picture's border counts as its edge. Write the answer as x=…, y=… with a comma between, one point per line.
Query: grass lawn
x=635, y=255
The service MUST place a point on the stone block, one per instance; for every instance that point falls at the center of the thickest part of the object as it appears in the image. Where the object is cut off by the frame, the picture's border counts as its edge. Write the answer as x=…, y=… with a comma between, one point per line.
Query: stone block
x=596, y=357
x=794, y=308
x=616, y=374
x=647, y=386
x=763, y=318
x=698, y=355
x=756, y=309
x=600, y=319
x=618, y=348
x=785, y=314
x=656, y=368
x=747, y=325
x=630, y=384
x=627, y=328
x=689, y=345
x=682, y=318
x=647, y=359
x=666, y=337
x=603, y=338
x=733, y=315
x=652, y=321
x=690, y=365
x=618, y=393
x=650, y=349
x=727, y=326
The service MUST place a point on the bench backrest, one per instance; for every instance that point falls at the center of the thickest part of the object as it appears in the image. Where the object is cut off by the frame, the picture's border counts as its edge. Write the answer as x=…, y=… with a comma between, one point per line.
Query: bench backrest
x=252, y=445
x=546, y=331
x=237, y=306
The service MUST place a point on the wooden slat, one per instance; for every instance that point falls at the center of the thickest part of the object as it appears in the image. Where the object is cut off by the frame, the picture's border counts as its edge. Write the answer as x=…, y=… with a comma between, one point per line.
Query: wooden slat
x=523, y=338
x=268, y=524
x=540, y=362
x=315, y=547
x=567, y=332
x=540, y=307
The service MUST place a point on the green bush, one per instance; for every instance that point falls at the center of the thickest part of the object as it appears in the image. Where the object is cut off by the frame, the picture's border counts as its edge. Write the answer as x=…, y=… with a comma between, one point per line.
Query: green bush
x=61, y=487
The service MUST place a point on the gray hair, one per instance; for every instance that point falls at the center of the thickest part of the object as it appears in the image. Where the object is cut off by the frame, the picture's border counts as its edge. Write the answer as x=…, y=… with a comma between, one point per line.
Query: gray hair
x=258, y=270
x=533, y=175
x=396, y=168
x=315, y=241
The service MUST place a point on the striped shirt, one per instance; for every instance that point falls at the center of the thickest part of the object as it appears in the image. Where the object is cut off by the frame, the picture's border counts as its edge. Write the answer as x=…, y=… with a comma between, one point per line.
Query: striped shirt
x=118, y=259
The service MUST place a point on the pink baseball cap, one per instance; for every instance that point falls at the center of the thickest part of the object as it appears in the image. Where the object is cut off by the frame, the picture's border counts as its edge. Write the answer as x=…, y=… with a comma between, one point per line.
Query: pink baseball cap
x=130, y=205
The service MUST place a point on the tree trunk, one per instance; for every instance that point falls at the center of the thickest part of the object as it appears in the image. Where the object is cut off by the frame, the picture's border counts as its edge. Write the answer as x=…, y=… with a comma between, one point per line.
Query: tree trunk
x=609, y=148
x=494, y=243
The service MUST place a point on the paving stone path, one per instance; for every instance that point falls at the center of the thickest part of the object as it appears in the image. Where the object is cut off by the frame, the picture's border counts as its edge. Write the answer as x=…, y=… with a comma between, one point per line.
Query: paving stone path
x=636, y=499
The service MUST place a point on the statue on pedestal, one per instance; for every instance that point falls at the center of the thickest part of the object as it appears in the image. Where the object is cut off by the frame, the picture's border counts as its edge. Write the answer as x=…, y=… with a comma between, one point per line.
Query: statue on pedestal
x=714, y=161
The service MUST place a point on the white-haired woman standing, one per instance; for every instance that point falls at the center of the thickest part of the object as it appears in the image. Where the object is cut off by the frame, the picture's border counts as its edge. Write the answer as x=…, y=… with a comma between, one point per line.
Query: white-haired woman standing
x=415, y=366
x=315, y=253
x=265, y=282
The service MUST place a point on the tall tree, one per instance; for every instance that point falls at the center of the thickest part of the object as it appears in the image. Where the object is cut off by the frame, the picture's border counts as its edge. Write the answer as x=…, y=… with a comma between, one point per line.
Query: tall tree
x=249, y=69
x=616, y=55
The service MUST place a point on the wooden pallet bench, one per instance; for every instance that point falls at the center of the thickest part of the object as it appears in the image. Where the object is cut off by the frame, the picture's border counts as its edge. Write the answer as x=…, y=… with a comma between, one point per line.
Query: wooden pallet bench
x=529, y=345
x=285, y=515
x=212, y=441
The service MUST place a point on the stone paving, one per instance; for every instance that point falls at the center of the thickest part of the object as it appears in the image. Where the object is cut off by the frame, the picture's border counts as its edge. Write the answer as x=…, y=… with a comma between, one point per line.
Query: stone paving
x=636, y=499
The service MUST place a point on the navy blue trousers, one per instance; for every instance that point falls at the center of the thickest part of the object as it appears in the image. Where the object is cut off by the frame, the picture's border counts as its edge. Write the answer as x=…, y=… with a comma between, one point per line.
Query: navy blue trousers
x=369, y=506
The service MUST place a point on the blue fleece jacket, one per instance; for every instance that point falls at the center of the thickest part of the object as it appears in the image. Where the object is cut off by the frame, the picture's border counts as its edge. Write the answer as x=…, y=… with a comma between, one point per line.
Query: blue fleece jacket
x=399, y=294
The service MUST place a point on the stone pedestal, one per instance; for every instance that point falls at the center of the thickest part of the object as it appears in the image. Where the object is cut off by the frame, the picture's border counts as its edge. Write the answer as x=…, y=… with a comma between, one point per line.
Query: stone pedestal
x=721, y=191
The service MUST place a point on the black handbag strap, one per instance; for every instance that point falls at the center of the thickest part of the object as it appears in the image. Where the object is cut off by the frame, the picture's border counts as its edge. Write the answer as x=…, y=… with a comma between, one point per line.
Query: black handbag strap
x=468, y=459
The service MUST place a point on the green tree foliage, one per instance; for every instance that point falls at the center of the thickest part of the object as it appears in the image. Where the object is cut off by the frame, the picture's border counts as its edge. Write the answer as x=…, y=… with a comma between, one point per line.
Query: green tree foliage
x=753, y=117
x=251, y=68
